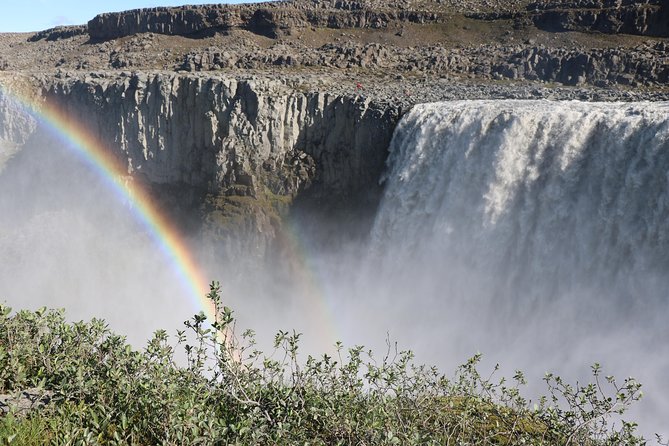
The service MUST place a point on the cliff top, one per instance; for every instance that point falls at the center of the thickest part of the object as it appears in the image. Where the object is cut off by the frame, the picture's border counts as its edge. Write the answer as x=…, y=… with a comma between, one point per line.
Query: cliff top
x=608, y=44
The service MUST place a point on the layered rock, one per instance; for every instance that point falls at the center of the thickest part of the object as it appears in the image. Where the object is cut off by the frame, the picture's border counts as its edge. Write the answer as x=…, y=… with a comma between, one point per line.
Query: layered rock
x=241, y=150
x=644, y=65
x=59, y=32
x=641, y=17
x=603, y=67
x=266, y=19
x=185, y=20
x=169, y=127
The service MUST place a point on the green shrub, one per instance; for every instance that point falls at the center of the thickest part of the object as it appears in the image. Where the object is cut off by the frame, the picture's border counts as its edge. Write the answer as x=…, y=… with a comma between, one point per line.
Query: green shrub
x=226, y=391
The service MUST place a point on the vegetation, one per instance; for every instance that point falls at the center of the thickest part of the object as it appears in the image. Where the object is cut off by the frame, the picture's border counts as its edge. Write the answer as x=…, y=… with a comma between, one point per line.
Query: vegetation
x=96, y=389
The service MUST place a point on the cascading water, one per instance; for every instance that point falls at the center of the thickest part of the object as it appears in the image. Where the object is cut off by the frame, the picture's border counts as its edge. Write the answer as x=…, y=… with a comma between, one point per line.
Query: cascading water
x=534, y=231
x=564, y=193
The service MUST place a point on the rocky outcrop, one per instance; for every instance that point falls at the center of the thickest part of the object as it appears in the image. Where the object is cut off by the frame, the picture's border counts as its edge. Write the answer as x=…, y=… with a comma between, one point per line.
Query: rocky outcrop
x=605, y=67
x=646, y=64
x=640, y=17
x=207, y=132
x=58, y=33
x=185, y=20
x=266, y=19
x=16, y=126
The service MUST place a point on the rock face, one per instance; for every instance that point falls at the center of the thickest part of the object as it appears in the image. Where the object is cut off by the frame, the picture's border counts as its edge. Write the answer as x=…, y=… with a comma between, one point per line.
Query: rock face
x=16, y=126
x=166, y=124
x=256, y=142
x=23, y=402
x=186, y=20
x=641, y=17
x=266, y=19
x=59, y=32
x=603, y=67
x=643, y=65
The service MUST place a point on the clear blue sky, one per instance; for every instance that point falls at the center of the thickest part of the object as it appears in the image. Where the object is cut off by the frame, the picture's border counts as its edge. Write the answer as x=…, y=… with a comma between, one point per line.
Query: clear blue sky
x=36, y=15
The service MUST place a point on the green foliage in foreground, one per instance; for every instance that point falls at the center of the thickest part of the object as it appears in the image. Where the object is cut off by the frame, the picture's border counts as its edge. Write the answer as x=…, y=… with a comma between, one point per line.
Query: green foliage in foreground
x=227, y=392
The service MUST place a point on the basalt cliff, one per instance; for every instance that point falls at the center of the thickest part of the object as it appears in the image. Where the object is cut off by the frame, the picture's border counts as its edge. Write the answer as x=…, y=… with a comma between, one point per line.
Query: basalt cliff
x=245, y=114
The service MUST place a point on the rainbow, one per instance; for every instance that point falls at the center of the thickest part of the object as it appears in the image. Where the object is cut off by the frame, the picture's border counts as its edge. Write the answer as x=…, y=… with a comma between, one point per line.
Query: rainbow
x=100, y=158
x=162, y=231
x=317, y=303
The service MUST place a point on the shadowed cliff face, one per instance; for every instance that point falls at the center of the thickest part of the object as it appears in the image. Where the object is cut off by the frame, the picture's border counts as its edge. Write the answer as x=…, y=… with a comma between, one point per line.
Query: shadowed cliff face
x=15, y=125
x=645, y=18
x=233, y=155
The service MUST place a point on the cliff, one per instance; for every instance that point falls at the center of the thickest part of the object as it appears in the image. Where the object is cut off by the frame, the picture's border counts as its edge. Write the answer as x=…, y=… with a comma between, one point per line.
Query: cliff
x=16, y=126
x=267, y=19
x=274, y=19
x=237, y=151
x=641, y=17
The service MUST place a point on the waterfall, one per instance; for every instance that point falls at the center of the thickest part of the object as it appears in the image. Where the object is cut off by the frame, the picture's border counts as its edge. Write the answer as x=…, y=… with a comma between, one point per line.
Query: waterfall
x=536, y=232
x=565, y=193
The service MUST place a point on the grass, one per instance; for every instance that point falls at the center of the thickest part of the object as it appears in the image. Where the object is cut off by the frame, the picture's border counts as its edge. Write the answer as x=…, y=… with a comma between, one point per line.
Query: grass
x=226, y=391
x=29, y=431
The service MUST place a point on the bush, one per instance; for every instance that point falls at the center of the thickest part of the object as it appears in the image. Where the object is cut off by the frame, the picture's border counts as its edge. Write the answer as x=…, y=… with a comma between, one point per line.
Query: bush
x=101, y=391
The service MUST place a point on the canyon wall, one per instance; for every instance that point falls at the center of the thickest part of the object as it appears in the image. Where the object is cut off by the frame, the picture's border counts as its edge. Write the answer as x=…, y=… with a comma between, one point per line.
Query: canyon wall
x=266, y=19
x=16, y=126
x=236, y=153
x=645, y=64
x=640, y=17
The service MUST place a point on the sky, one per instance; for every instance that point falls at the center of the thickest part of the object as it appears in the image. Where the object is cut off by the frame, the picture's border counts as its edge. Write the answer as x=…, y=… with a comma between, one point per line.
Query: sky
x=37, y=15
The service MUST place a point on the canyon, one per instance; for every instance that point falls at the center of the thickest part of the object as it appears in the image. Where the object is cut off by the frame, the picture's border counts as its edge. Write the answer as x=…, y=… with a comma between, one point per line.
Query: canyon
x=488, y=172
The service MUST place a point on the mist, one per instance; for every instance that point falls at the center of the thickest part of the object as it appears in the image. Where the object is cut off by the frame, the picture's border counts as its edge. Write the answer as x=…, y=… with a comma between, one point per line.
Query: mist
x=67, y=241
x=509, y=229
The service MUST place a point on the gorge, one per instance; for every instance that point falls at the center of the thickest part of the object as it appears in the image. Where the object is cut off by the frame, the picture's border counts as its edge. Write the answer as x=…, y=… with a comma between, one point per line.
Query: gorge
x=509, y=197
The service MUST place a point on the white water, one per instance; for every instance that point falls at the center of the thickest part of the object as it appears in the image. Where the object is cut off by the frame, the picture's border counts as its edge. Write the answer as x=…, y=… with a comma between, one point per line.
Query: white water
x=66, y=241
x=565, y=191
x=536, y=232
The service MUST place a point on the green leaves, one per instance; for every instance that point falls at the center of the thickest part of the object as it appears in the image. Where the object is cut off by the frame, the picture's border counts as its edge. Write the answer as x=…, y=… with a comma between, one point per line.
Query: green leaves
x=226, y=391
